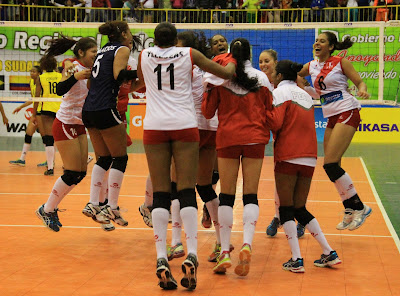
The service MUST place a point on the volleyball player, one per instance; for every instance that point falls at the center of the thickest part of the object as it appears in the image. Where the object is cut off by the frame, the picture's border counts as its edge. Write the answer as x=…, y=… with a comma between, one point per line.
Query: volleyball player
x=3, y=115
x=295, y=154
x=329, y=75
x=170, y=130
x=241, y=138
x=68, y=129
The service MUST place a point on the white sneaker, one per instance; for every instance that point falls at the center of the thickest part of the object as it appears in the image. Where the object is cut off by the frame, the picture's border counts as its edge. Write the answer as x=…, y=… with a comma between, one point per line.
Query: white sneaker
x=114, y=215
x=94, y=212
x=347, y=219
x=146, y=214
x=359, y=217
x=108, y=227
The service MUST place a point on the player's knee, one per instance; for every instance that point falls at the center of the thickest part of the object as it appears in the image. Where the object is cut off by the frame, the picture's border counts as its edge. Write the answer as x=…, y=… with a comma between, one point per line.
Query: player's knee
x=48, y=140
x=215, y=177
x=104, y=162
x=206, y=192
x=250, y=199
x=71, y=177
x=303, y=216
x=28, y=139
x=187, y=198
x=162, y=200
x=286, y=214
x=334, y=171
x=226, y=200
x=81, y=176
x=119, y=163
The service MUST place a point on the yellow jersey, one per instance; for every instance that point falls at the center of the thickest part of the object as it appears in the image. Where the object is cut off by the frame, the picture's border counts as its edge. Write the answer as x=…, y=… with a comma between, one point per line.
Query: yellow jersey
x=48, y=81
x=32, y=84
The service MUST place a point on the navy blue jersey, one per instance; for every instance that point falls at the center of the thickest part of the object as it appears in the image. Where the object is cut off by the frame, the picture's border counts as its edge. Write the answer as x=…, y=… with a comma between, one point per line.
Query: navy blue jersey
x=104, y=88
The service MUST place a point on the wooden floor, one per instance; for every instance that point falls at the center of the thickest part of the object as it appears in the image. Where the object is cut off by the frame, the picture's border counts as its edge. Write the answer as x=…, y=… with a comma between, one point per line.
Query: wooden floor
x=82, y=259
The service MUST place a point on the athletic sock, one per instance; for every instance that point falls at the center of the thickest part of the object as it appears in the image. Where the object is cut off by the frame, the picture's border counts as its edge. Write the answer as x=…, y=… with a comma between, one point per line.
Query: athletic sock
x=25, y=150
x=160, y=217
x=50, y=157
x=225, y=219
x=57, y=194
x=115, y=179
x=315, y=230
x=291, y=235
x=96, y=183
x=176, y=222
x=250, y=217
x=189, y=219
x=148, y=197
x=277, y=204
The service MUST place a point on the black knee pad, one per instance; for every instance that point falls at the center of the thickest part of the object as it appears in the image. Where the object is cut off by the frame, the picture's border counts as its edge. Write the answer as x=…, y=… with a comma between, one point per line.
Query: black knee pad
x=82, y=175
x=215, y=177
x=286, y=214
x=226, y=200
x=334, y=171
x=303, y=216
x=71, y=177
x=119, y=163
x=48, y=140
x=43, y=139
x=187, y=198
x=174, y=191
x=28, y=139
x=104, y=162
x=250, y=199
x=206, y=192
x=162, y=200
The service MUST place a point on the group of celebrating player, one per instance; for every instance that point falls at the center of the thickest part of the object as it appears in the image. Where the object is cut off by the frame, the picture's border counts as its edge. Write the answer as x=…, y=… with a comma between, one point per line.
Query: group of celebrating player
x=199, y=109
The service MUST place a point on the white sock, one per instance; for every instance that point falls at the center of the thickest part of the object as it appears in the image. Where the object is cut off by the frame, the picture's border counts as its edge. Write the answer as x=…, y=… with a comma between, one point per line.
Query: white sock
x=189, y=219
x=344, y=185
x=57, y=194
x=315, y=230
x=250, y=217
x=225, y=219
x=291, y=235
x=50, y=157
x=103, y=194
x=160, y=219
x=115, y=179
x=96, y=183
x=25, y=150
x=277, y=204
x=176, y=222
x=212, y=207
x=148, y=197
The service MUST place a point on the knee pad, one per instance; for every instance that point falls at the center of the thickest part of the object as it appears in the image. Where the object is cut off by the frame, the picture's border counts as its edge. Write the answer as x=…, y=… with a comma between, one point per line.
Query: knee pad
x=71, y=177
x=174, y=191
x=303, y=216
x=286, y=214
x=119, y=163
x=215, y=177
x=250, y=199
x=206, y=192
x=104, y=162
x=28, y=139
x=162, y=200
x=48, y=140
x=226, y=200
x=82, y=175
x=187, y=198
x=334, y=171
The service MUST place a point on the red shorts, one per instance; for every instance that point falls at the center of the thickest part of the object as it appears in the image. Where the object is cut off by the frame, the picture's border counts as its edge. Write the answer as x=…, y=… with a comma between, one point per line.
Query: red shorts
x=351, y=117
x=207, y=139
x=287, y=168
x=153, y=137
x=250, y=151
x=62, y=131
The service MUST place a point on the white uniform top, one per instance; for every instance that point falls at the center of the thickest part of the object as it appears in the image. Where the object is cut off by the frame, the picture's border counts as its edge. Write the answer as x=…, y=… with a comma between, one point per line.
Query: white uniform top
x=70, y=111
x=167, y=73
x=331, y=84
x=198, y=91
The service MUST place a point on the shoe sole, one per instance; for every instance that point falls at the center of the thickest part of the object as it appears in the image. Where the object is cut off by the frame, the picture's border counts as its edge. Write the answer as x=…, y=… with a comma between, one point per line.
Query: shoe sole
x=18, y=164
x=165, y=280
x=90, y=215
x=176, y=255
x=44, y=223
x=295, y=270
x=363, y=220
x=108, y=227
x=330, y=263
x=272, y=235
x=243, y=267
x=221, y=268
x=146, y=222
x=189, y=279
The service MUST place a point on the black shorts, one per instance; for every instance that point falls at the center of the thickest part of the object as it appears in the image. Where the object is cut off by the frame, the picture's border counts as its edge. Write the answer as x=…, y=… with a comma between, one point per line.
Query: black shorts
x=48, y=113
x=102, y=119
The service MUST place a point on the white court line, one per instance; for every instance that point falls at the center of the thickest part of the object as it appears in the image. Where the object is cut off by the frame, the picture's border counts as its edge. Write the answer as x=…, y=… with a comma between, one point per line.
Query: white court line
x=381, y=207
x=200, y=230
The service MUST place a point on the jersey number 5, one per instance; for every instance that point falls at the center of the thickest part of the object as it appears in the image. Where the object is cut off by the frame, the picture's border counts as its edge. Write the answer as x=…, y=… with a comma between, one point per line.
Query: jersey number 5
x=170, y=69
x=96, y=66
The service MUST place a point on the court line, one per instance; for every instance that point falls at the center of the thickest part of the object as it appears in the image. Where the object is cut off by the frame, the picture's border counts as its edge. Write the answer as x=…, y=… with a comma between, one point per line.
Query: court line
x=381, y=207
x=200, y=230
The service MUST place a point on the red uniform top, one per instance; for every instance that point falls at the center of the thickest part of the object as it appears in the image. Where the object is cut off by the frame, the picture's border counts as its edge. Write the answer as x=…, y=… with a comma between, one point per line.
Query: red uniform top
x=241, y=113
x=292, y=123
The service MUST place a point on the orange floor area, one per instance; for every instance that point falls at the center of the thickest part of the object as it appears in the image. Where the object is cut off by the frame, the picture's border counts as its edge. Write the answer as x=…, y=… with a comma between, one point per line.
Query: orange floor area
x=82, y=259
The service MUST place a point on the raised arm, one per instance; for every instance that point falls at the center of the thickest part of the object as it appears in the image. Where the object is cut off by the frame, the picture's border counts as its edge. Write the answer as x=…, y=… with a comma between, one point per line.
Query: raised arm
x=212, y=67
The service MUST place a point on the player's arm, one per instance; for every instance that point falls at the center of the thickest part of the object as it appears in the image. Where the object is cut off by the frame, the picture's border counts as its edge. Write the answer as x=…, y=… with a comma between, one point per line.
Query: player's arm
x=304, y=72
x=138, y=83
x=352, y=74
x=212, y=67
x=210, y=102
x=120, y=61
x=3, y=114
x=20, y=107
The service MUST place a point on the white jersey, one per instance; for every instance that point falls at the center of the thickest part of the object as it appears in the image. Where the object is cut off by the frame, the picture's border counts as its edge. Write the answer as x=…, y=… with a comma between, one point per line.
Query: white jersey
x=331, y=85
x=167, y=73
x=70, y=111
x=198, y=91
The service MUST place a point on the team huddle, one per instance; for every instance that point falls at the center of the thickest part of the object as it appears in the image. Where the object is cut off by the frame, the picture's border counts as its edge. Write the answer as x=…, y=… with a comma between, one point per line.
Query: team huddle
x=202, y=104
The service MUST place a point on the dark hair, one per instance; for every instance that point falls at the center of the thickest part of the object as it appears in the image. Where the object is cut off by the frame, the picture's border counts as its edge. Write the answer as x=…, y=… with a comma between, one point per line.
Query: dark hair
x=114, y=30
x=136, y=42
x=288, y=69
x=165, y=34
x=332, y=39
x=48, y=63
x=63, y=43
x=240, y=49
x=272, y=53
x=195, y=40
x=37, y=69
